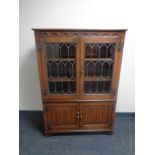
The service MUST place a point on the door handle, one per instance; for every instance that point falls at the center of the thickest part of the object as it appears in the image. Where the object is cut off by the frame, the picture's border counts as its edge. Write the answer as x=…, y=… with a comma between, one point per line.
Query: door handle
x=78, y=115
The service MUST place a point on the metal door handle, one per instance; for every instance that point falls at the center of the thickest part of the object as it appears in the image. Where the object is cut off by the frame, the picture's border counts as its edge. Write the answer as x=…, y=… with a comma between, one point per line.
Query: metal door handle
x=78, y=115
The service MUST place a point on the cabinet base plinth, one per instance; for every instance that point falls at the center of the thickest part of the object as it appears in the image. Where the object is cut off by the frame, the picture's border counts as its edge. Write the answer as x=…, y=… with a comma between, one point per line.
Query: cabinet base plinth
x=48, y=133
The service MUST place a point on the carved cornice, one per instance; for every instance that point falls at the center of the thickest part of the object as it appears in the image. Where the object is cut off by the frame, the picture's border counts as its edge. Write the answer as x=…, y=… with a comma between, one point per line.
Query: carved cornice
x=81, y=34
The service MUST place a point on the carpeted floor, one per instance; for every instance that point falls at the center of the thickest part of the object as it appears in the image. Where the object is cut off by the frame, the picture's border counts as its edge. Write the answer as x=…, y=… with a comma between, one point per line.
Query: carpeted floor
x=32, y=141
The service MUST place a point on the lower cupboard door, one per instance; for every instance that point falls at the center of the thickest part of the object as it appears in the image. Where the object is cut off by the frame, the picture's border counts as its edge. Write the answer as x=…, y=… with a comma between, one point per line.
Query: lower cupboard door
x=61, y=116
x=96, y=116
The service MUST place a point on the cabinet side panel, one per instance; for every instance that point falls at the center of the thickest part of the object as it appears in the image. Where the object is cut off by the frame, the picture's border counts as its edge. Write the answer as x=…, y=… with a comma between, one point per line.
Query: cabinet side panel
x=121, y=44
x=39, y=61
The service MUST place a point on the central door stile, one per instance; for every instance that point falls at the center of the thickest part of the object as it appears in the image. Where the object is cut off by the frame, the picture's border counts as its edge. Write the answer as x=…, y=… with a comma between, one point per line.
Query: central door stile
x=78, y=53
x=78, y=116
x=82, y=115
x=81, y=71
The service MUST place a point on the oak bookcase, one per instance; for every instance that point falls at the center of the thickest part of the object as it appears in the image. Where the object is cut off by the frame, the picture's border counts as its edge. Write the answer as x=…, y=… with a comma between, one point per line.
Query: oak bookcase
x=79, y=73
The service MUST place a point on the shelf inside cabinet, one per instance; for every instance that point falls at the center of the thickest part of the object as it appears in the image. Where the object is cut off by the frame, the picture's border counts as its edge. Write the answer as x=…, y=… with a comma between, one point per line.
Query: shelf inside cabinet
x=98, y=59
x=97, y=78
x=57, y=79
x=60, y=59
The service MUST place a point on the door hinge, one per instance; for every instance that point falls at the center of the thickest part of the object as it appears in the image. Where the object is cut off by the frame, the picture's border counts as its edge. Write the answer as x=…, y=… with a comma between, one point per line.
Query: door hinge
x=44, y=92
x=119, y=48
x=42, y=46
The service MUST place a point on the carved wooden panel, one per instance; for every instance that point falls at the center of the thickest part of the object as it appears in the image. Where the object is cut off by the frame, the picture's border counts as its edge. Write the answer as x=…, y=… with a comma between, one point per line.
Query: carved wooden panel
x=96, y=115
x=61, y=116
x=80, y=34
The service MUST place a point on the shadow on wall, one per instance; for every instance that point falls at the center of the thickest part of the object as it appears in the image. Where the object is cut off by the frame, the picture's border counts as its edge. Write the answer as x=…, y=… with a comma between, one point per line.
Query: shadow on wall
x=29, y=88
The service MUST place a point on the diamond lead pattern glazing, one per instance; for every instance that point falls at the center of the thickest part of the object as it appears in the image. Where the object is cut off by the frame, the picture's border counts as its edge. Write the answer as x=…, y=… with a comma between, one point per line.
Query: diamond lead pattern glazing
x=98, y=67
x=61, y=67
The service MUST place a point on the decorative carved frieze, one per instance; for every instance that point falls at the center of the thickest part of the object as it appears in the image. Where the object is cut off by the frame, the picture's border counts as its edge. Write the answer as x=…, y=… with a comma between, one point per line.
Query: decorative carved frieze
x=80, y=34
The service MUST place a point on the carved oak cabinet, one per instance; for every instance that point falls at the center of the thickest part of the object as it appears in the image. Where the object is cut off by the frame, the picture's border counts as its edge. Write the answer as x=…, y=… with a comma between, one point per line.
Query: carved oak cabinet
x=79, y=74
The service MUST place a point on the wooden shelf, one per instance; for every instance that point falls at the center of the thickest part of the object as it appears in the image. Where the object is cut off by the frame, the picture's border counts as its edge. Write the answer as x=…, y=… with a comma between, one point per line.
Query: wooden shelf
x=60, y=79
x=97, y=78
x=96, y=59
x=86, y=59
x=60, y=59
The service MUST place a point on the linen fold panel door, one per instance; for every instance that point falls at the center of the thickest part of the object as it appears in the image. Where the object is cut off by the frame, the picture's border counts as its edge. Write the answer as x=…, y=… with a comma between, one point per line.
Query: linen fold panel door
x=61, y=68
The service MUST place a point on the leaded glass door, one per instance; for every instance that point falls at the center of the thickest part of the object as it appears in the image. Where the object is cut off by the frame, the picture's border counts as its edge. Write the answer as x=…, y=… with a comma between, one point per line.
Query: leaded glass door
x=99, y=62
x=60, y=67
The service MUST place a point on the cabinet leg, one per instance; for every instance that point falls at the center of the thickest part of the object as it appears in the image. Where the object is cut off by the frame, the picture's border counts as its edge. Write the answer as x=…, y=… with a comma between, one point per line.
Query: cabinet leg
x=110, y=132
x=46, y=134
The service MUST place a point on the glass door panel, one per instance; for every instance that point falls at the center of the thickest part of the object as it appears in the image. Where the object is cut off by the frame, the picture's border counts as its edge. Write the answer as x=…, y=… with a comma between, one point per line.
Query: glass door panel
x=98, y=67
x=61, y=68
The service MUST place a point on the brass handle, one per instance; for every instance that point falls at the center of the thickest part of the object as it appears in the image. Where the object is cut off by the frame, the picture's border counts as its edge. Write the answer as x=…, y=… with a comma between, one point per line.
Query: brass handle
x=78, y=115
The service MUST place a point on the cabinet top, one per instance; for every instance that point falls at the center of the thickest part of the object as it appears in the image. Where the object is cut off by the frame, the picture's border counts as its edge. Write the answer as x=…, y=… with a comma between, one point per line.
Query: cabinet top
x=79, y=30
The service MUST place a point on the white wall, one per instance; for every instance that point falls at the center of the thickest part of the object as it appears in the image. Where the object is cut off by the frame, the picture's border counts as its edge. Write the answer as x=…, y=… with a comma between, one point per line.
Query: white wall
x=73, y=14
